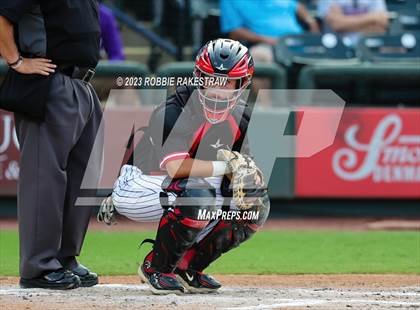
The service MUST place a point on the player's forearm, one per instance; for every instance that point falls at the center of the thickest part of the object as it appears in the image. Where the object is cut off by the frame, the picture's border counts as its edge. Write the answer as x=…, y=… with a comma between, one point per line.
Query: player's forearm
x=183, y=168
x=306, y=17
x=8, y=48
x=356, y=23
x=241, y=34
x=374, y=29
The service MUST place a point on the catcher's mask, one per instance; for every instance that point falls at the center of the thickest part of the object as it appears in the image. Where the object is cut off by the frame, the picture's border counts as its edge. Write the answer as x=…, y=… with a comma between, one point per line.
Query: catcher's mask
x=225, y=67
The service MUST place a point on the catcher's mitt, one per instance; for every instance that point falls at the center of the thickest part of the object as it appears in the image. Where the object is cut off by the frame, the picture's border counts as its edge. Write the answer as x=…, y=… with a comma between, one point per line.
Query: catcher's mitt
x=247, y=180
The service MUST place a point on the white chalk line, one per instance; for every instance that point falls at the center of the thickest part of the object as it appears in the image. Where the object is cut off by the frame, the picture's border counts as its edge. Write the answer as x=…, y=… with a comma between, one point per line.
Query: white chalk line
x=23, y=291
x=356, y=292
x=302, y=302
x=314, y=302
x=286, y=303
x=123, y=286
x=344, y=291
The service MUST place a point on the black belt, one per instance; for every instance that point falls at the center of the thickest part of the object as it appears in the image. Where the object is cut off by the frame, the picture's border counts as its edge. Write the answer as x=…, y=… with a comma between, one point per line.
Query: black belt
x=75, y=72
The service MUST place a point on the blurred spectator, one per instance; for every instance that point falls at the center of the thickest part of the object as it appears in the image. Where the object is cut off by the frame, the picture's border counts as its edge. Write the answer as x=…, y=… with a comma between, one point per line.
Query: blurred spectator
x=111, y=44
x=111, y=39
x=261, y=23
x=352, y=17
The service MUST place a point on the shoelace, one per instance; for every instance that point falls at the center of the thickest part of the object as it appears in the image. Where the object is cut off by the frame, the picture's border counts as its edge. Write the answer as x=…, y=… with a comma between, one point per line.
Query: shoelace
x=106, y=212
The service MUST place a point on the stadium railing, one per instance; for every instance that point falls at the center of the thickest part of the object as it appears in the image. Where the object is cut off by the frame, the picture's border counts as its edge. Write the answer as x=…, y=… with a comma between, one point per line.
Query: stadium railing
x=3, y=69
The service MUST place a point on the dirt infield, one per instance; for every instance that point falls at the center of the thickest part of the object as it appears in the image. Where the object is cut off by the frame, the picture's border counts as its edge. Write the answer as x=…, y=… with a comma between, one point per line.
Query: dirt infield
x=239, y=293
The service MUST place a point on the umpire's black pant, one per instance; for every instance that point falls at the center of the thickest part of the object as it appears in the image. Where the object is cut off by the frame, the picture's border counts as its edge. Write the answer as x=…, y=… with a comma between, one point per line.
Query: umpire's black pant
x=54, y=156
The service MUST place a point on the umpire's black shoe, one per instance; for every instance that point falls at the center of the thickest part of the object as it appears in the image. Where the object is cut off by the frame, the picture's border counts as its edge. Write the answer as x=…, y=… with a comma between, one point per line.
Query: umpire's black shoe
x=197, y=282
x=57, y=280
x=159, y=283
x=87, y=278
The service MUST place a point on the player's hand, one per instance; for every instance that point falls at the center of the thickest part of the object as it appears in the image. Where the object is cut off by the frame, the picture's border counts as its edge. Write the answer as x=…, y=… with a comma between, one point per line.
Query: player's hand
x=334, y=15
x=313, y=26
x=40, y=66
x=381, y=19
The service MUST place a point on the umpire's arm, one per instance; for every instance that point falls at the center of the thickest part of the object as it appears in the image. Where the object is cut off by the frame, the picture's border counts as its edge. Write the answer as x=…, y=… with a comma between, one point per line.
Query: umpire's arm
x=8, y=48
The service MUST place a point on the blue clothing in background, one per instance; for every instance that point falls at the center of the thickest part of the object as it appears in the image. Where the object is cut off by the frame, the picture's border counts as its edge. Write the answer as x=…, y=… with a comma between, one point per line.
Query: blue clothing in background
x=271, y=18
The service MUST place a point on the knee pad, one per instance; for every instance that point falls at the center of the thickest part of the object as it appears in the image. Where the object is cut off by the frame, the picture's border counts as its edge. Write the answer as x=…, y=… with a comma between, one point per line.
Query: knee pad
x=193, y=194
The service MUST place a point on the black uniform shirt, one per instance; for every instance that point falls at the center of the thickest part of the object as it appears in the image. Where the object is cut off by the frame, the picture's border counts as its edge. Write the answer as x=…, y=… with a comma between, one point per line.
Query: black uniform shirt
x=187, y=134
x=71, y=28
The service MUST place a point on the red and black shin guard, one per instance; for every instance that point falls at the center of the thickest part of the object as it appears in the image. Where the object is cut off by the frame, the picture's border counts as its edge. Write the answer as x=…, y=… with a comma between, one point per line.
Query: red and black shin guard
x=175, y=235
x=226, y=235
x=180, y=226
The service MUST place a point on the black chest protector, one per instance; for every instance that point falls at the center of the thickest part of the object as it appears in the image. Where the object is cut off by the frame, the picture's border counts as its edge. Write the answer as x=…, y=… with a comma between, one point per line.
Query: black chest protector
x=218, y=136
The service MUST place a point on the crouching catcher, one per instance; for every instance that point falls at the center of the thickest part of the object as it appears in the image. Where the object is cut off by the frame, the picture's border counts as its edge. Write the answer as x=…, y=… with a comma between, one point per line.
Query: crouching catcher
x=199, y=165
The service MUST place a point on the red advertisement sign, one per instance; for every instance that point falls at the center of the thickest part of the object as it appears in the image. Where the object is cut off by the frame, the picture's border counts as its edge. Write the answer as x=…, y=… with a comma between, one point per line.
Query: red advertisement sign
x=376, y=153
x=9, y=155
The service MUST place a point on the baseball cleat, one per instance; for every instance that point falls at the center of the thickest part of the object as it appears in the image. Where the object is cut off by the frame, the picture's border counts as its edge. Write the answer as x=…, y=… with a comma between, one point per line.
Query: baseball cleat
x=159, y=283
x=56, y=280
x=197, y=282
x=87, y=278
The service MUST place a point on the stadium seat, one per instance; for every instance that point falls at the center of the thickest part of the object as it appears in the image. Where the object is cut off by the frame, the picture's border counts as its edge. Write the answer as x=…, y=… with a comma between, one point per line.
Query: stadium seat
x=404, y=47
x=205, y=21
x=308, y=49
x=366, y=84
x=276, y=74
x=3, y=67
x=107, y=73
x=409, y=20
x=399, y=5
x=112, y=69
x=177, y=69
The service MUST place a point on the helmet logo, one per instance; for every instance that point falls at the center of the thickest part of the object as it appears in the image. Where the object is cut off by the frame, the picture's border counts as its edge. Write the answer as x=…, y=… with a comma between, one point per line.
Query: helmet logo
x=221, y=67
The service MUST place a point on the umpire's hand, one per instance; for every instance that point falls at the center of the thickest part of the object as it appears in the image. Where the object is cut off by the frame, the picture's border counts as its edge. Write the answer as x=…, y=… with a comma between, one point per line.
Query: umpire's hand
x=9, y=51
x=40, y=66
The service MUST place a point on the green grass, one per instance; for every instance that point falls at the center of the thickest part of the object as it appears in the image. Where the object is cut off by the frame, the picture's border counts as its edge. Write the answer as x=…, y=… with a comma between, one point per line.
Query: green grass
x=269, y=252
